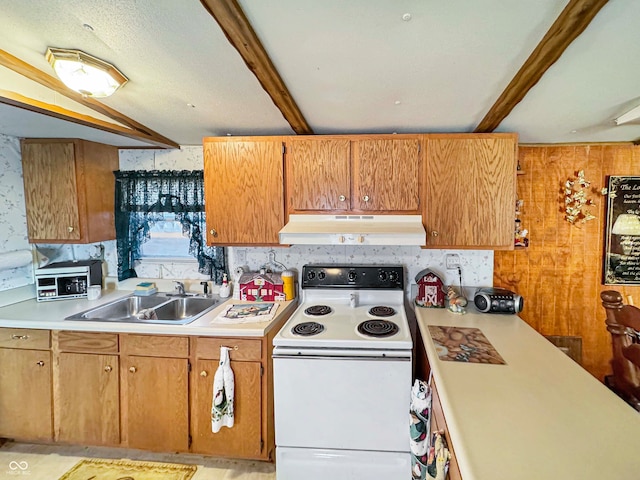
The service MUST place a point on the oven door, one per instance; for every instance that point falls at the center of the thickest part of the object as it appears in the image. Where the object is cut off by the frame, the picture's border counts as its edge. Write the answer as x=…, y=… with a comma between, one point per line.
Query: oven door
x=340, y=400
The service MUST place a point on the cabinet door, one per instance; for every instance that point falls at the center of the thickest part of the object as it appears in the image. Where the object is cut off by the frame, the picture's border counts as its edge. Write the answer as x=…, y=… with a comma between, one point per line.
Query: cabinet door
x=470, y=190
x=25, y=394
x=51, y=192
x=318, y=175
x=244, y=439
x=387, y=175
x=244, y=191
x=88, y=401
x=155, y=403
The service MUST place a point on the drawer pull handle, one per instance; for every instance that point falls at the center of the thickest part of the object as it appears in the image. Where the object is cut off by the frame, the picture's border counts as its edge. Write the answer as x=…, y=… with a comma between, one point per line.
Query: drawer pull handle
x=108, y=368
x=19, y=337
x=40, y=363
x=132, y=369
x=203, y=373
x=434, y=233
x=365, y=198
x=213, y=232
x=342, y=198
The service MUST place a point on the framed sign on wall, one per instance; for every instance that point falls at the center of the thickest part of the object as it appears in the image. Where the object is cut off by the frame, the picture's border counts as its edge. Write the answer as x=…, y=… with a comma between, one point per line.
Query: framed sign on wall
x=622, y=232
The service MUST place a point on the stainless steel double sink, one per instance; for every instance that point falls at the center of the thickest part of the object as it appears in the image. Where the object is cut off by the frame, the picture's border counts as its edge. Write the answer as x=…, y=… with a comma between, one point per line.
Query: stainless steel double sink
x=159, y=308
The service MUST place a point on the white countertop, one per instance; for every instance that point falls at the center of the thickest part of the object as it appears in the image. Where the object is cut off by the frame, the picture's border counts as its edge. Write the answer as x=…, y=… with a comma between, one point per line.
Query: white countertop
x=51, y=316
x=540, y=416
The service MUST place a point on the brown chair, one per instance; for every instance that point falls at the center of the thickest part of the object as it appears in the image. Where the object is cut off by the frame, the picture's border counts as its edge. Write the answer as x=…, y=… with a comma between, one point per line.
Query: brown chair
x=623, y=323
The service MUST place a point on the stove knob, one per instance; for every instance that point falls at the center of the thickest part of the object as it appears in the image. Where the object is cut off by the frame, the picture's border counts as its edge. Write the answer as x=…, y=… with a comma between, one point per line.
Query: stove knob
x=393, y=276
x=352, y=276
x=321, y=275
x=382, y=276
x=311, y=275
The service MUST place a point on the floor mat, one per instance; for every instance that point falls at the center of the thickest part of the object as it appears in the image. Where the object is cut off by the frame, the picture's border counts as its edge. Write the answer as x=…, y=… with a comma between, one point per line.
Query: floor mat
x=97, y=469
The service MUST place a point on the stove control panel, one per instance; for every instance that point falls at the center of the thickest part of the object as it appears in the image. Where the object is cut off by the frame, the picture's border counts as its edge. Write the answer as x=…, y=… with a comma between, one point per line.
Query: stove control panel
x=388, y=277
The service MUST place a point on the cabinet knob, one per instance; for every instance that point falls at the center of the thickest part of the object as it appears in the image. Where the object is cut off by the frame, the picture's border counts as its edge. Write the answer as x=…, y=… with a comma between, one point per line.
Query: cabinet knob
x=19, y=337
x=70, y=229
x=203, y=373
x=365, y=198
x=213, y=232
x=340, y=239
x=361, y=239
x=108, y=368
x=132, y=369
x=342, y=198
x=40, y=363
x=434, y=234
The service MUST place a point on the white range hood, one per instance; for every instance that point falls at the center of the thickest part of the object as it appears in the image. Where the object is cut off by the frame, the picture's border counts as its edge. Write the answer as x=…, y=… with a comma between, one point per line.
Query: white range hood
x=353, y=230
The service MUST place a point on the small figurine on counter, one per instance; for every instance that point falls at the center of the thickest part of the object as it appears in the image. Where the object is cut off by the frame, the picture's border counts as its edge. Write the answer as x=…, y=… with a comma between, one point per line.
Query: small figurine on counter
x=457, y=303
x=225, y=288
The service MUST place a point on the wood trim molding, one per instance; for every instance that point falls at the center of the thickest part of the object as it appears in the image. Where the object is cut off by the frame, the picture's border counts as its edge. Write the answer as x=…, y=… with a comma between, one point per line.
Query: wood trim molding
x=241, y=35
x=55, y=111
x=138, y=131
x=573, y=20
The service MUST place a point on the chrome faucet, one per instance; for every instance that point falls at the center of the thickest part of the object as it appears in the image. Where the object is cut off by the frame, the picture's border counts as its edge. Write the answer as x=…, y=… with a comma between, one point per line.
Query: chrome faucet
x=179, y=288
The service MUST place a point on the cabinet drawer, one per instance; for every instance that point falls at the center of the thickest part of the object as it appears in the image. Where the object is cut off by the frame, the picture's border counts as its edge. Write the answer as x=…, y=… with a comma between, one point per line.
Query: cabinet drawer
x=155, y=345
x=25, y=338
x=94, y=342
x=241, y=348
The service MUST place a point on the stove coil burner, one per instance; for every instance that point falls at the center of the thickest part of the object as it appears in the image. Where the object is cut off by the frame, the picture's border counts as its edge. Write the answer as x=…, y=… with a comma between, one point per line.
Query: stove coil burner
x=318, y=310
x=307, y=329
x=378, y=328
x=382, y=311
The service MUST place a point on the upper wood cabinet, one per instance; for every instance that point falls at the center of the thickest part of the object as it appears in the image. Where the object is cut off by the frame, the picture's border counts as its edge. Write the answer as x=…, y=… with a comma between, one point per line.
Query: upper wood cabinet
x=362, y=174
x=69, y=190
x=318, y=174
x=470, y=190
x=244, y=190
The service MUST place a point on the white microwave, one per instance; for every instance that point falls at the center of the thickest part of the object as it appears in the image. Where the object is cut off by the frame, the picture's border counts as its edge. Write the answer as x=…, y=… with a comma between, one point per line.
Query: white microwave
x=67, y=280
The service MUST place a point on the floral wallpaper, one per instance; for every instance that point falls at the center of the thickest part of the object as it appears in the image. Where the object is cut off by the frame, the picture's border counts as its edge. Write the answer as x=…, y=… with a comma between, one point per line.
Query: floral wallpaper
x=477, y=265
x=13, y=217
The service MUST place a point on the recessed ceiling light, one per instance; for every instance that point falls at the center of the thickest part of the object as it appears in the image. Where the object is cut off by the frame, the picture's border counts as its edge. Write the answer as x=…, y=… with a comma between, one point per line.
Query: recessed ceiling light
x=397, y=102
x=406, y=17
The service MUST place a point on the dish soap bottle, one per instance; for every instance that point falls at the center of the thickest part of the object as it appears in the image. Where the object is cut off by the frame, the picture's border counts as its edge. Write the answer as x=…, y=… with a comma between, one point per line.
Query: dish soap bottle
x=225, y=288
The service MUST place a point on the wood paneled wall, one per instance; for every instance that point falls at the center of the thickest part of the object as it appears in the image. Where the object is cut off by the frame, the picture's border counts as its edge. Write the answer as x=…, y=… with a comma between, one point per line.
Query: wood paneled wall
x=560, y=273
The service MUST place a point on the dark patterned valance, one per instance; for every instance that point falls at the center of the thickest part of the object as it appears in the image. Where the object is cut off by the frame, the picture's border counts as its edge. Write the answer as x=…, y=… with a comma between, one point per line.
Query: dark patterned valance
x=142, y=196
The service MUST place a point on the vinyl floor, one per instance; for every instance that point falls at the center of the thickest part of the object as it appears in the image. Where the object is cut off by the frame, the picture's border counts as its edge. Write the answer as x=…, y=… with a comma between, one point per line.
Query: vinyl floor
x=25, y=461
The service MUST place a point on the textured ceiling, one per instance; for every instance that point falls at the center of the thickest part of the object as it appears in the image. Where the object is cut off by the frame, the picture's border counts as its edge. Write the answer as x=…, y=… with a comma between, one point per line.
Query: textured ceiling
x=351, y=67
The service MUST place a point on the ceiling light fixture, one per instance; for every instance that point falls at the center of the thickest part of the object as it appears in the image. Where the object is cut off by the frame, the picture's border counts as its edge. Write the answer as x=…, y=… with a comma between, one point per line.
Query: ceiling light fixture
x=630, y=116
x=85, y=73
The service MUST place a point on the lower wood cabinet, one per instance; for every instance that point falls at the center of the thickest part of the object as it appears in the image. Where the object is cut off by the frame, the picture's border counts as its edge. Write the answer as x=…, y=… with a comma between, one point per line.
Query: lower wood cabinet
x=87, y=388
x=154, y=376
x=150, y=392
x=25, y=394
x=245, y=439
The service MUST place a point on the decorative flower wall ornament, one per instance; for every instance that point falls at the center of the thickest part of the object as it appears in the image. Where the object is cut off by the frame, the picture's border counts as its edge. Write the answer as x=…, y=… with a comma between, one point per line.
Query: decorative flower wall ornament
x=576, y=200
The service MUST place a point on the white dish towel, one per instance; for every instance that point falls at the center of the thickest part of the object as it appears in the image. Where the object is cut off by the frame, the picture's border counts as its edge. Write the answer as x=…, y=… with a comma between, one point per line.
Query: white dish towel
x=223, y=394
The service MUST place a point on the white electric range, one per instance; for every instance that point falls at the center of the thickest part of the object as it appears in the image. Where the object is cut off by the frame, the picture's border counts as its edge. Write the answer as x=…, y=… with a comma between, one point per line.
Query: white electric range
x=342, y=377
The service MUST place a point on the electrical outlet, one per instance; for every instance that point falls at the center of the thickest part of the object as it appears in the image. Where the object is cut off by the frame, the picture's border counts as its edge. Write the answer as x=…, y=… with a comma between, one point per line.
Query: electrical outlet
x=452, y=261
x=240, y=256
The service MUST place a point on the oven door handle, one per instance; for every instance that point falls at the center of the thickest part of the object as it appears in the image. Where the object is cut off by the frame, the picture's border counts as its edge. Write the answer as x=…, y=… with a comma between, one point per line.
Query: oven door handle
x=387, y=358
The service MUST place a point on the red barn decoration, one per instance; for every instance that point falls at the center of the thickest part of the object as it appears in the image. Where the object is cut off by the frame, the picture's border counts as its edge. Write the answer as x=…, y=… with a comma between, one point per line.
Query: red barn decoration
x=430, y=289
x=261, y=287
